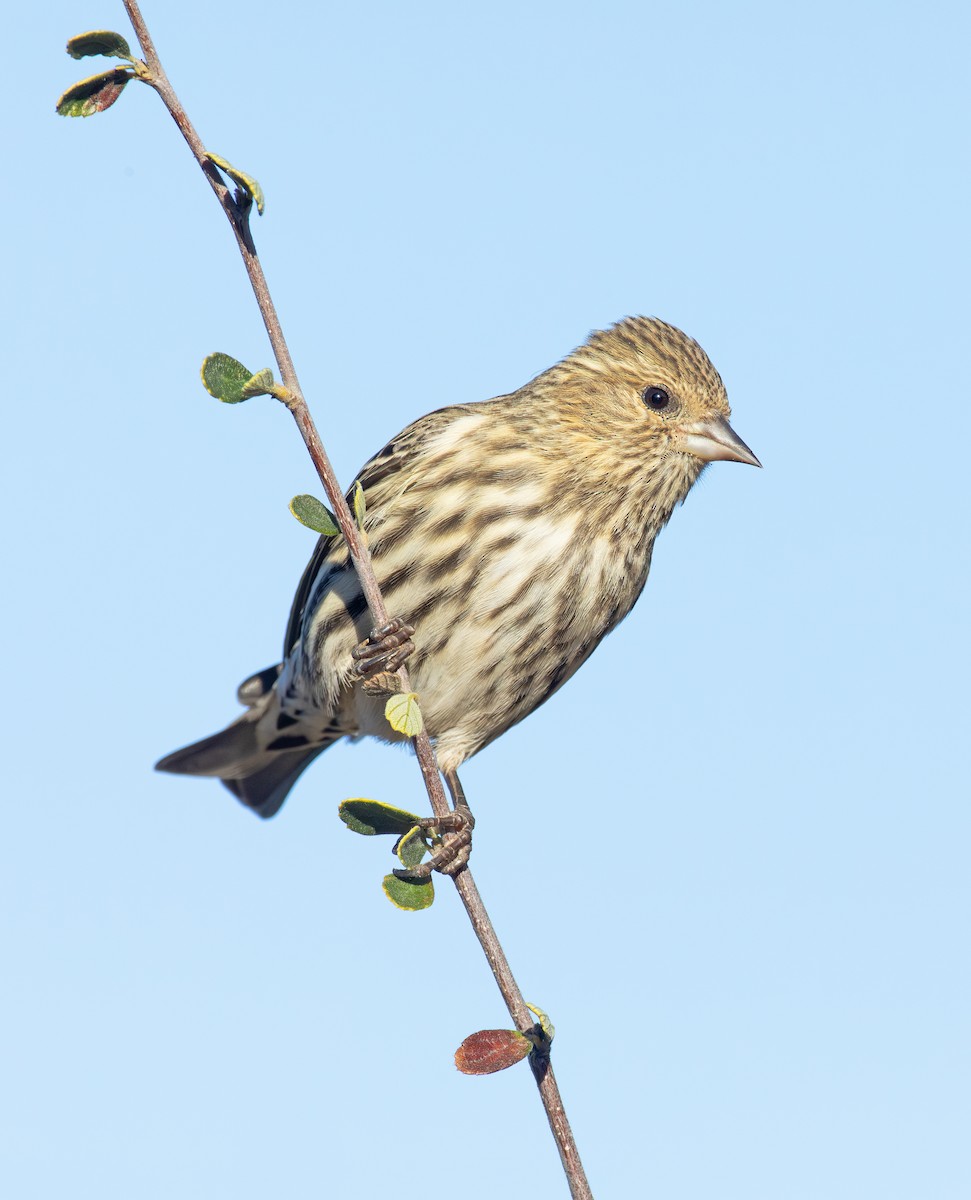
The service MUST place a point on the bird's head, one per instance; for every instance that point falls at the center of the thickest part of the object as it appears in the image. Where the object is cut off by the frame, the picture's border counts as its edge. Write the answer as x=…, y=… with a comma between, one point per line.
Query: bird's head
x=650, y=392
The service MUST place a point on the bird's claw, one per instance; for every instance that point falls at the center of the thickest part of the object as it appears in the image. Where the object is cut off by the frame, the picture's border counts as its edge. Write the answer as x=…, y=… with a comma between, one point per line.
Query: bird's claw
x=456, y=847
x=384, y=649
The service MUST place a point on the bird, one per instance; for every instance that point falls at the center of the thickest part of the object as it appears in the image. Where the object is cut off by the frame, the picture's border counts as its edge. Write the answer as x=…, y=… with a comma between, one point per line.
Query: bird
x=512, y=534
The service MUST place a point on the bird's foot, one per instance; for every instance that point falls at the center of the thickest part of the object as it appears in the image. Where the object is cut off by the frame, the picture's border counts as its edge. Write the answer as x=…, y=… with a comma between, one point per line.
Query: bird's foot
x=384, y=649
x=453, y=854
x=455, y=830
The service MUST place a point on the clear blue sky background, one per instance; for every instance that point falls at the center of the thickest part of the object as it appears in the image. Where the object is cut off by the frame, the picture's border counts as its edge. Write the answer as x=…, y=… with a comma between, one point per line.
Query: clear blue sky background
x=731, y=857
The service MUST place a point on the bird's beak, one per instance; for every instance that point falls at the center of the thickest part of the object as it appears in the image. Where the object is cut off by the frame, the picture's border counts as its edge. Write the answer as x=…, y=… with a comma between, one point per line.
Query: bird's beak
x=715, y=440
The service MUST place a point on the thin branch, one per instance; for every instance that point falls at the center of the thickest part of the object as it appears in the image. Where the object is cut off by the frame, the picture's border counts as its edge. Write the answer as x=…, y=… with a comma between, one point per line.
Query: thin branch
x=152, y=73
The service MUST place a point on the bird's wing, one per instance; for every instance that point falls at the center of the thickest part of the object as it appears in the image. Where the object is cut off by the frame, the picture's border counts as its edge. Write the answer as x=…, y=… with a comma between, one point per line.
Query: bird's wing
x=324, y=547
x=383, y=477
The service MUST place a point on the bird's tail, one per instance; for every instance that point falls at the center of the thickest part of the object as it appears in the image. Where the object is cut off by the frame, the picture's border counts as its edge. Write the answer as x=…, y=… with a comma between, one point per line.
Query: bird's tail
x=254, y=757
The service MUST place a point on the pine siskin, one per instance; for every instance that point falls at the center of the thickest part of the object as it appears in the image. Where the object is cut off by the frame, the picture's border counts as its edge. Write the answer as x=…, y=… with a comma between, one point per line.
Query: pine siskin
x=515, y=534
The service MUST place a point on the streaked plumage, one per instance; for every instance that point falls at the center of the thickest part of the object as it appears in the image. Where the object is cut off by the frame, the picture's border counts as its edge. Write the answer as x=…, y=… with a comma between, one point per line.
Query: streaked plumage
x=513, y=534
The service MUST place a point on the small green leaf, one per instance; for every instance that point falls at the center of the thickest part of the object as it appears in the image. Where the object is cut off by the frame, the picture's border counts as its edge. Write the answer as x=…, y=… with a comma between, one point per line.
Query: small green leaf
x=411, y=848
x=248, y=184
x=259, y=385
x=403, y=714
x=491, y=1050
x=411, y=895
x=99, y=41
x=360, y=508
x=371, y=816
x=310, y=512
x=225, y=377
x=93, y=95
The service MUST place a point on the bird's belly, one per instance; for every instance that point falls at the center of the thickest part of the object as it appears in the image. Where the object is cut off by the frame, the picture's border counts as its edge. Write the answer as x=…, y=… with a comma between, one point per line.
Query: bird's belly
x=488, y=658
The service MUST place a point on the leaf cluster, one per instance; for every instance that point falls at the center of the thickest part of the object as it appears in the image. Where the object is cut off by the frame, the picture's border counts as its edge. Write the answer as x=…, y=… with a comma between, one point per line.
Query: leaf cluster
x=372, y=818
x=98, y=92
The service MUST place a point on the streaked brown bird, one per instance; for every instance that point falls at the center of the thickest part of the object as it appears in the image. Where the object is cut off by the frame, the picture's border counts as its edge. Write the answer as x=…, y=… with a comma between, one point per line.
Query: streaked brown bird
x=514, y=534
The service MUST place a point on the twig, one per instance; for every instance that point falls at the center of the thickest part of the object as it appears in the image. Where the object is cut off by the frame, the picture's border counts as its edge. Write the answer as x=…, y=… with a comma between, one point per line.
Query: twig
x=152, y=73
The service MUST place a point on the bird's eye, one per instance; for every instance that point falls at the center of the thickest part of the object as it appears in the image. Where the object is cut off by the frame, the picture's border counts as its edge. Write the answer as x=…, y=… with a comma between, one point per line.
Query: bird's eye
x=656, y=398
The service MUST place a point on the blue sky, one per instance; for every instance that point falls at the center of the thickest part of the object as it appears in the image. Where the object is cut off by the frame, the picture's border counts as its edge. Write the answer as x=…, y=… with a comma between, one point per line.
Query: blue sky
x=730, y=857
